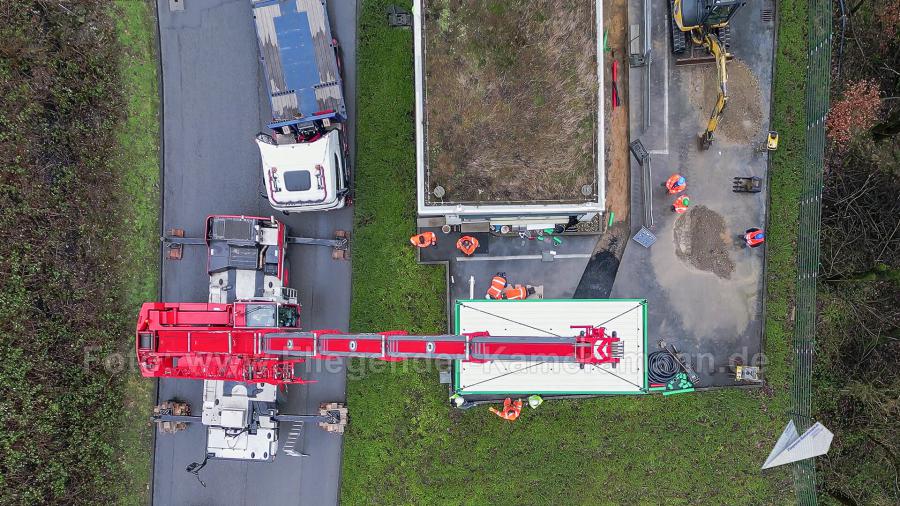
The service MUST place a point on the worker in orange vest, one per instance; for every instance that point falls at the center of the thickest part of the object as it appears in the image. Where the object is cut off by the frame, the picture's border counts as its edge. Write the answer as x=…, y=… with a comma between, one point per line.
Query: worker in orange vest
x=517, y=292
x=676, y=184
x=423, y=240
x=498, y=283
x=681, y=204
x=467, y=244
x=754, y=237
x=511, y=410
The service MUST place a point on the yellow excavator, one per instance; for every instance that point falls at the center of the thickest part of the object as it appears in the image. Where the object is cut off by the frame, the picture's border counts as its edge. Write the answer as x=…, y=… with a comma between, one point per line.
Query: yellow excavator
x=704, y=25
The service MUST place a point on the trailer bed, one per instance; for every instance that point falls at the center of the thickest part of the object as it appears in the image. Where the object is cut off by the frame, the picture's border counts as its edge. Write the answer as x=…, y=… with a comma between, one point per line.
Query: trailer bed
x=509, y=103
x=300, y=61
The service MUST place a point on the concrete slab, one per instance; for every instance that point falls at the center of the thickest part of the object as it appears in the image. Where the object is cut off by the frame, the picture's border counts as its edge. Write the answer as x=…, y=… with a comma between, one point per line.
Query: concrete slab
x=522, y=260
x=214, y=103
x=706, y=316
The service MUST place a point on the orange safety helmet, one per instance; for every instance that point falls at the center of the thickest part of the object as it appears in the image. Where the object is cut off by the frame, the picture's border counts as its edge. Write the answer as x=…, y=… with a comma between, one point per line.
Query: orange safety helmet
x=424, y=240
x=467, y=244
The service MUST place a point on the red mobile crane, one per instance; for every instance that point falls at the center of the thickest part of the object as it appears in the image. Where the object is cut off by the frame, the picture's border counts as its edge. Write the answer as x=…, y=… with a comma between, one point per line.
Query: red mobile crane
x=245, y=341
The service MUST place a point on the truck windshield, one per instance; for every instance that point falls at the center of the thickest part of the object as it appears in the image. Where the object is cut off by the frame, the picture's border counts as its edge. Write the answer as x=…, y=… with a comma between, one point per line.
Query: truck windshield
x=338, y=180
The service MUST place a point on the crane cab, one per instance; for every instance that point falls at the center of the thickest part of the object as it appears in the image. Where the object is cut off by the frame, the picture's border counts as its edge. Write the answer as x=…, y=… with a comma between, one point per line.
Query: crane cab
x=266, y=314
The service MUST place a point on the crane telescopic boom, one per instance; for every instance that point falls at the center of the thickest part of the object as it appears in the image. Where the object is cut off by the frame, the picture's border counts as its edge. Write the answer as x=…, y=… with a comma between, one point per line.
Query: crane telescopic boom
x=260, y=341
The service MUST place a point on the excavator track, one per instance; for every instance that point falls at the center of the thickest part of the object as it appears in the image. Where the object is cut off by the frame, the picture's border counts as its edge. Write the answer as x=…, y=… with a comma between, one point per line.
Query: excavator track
x=679, y=38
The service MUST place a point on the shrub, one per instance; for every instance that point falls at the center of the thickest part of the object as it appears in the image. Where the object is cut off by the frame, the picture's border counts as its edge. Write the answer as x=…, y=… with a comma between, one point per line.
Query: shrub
x=855, y=113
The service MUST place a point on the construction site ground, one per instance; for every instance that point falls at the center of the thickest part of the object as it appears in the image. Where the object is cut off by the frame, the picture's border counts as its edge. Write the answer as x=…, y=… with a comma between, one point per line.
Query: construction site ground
x=406, y=446
x=600, y=272
x=214, y=102
x=523, y=261
x=704, y=289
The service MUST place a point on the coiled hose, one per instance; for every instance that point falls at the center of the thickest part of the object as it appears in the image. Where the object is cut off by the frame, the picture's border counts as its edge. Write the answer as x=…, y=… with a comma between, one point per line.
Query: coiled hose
x=662, y=367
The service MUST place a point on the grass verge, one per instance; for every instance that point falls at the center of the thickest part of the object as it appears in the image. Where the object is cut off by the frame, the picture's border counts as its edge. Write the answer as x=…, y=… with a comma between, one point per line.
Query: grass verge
x=138, y=163
x=406, y=445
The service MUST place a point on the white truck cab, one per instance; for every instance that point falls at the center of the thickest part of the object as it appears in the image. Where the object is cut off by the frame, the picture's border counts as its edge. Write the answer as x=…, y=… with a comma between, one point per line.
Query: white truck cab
x=304, y=176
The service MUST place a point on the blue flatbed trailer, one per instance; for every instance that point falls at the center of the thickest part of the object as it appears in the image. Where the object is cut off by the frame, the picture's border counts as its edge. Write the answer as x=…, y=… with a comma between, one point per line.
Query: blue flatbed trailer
x=301, y=62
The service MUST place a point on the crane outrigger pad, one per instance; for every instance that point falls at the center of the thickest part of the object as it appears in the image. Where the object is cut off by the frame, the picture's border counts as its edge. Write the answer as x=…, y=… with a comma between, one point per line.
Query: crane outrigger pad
x=626, y=317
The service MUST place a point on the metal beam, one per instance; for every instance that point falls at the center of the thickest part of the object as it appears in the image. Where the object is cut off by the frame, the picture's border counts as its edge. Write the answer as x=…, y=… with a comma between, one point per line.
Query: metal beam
x=340, y=243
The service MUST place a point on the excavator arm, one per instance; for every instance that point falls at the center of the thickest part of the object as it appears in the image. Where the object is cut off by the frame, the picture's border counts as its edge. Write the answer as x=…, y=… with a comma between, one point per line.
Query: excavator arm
x=711, y=42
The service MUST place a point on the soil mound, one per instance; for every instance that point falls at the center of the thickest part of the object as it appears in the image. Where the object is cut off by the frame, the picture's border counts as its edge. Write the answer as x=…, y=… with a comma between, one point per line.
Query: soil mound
x=702, y=241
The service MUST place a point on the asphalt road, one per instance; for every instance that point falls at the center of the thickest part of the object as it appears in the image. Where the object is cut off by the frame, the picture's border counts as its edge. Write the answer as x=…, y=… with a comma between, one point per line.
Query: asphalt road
x=214, y=102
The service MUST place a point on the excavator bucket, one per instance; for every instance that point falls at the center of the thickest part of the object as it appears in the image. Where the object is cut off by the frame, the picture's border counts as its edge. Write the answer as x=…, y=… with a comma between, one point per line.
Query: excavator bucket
x=746, y=184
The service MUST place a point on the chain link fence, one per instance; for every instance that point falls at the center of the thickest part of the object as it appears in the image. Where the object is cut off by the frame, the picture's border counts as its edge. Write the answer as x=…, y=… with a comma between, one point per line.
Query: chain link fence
x=818, y=81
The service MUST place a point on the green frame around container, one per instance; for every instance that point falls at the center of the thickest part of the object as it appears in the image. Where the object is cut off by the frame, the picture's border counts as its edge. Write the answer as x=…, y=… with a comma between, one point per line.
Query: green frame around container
x=644, y=390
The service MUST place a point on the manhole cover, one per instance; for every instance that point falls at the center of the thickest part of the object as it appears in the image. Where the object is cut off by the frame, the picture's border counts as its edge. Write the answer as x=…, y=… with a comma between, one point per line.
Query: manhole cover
x=439, y=191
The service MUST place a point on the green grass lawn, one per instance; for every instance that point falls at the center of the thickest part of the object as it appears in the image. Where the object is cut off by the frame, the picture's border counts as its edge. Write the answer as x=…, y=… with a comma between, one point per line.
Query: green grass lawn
x=406, y=445
x=138, y=164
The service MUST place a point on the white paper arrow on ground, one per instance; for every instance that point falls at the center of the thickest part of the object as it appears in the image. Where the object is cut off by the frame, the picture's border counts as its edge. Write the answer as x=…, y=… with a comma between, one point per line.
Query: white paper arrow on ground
x=791, y=447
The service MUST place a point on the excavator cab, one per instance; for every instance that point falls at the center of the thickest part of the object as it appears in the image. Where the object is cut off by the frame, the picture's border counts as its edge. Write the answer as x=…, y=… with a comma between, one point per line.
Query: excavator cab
x=691, y=15
x=693, y=20
x=720, y=13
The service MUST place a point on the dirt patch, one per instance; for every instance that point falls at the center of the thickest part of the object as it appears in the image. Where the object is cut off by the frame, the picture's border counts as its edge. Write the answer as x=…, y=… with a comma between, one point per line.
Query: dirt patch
x=742, y=121
x=511, y=100
x=702, y=241
x=618, y=178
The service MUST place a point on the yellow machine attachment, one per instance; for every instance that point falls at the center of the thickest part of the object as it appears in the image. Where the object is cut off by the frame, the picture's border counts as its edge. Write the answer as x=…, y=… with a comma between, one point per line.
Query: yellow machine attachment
x=772, y=140
x=711, y=42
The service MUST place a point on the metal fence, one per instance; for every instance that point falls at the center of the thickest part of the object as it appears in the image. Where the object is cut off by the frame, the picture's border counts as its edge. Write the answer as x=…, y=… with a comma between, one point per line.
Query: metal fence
x=818, y=80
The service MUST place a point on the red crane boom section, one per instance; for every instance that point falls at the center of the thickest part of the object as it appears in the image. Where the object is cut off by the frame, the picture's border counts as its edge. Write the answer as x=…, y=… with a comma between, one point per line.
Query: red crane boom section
x=261, y=342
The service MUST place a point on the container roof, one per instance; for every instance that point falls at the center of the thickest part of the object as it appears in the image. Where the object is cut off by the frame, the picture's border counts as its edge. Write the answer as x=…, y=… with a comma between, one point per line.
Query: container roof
x=626, y=317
